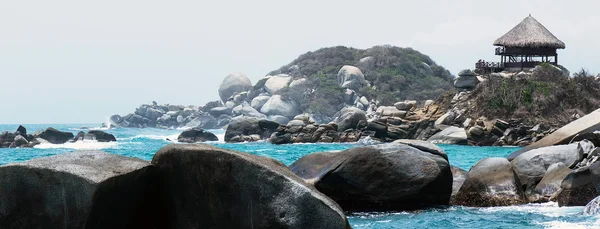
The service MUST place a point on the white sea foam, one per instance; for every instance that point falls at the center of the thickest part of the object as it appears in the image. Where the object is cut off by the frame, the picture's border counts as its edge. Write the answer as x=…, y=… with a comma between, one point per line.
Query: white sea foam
x=549, y=209
x=79, y=145
x=592, y=223
x=154, y=137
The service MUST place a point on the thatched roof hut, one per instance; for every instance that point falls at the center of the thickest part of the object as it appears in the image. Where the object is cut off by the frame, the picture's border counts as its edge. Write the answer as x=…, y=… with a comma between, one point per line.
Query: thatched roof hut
x=529, y=34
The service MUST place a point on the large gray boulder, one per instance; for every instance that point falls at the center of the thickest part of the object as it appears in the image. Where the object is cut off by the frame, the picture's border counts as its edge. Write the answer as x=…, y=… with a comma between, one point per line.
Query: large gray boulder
x=233, y=84
x=258, y=102
x=301, y=83
x=351, y=77
x=247, y=110
x=350, y=118
x=490, y=182
x=550, y=183
x=532, y=165
x=210, y=187
x=405, y=105
x=80, y=190
x=450, y=135
x=275, y=83
x=379, y=178
x=276, y=105
x=466, y=80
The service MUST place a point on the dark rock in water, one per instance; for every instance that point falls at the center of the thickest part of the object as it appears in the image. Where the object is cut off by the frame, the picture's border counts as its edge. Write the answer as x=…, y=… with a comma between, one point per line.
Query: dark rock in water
x=96, y=135
x=79, y=137
x=21, y=130
x=19, y=141
x=580, y=186
x=458, y=178
x=100, y=136
x=6, y=139
x=490, y=182
x=550, y=183
x=379, y=178
x=55, y=136
x=196, y=135
x=242, y=129
x=69, y=190
x=209, y=187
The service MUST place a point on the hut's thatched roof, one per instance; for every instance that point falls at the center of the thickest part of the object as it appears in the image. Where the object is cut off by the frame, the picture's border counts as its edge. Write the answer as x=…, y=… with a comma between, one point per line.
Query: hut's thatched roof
x=529, y=34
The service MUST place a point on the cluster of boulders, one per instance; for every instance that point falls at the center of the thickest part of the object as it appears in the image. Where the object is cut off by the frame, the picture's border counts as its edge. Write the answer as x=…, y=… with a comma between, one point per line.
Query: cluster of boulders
x=567, y=174
x=165, y=116
x=21, y=139
x=101, y=190
x=93, y=189
x=405, y=120
x=482, y=131
x=274, y=98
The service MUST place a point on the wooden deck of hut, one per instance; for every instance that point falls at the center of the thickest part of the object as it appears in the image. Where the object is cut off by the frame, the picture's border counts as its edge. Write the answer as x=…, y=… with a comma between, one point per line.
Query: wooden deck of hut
x=525, y=46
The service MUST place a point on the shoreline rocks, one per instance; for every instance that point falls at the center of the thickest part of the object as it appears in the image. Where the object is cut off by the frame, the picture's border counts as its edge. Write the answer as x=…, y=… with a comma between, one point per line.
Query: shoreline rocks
x=50, y=136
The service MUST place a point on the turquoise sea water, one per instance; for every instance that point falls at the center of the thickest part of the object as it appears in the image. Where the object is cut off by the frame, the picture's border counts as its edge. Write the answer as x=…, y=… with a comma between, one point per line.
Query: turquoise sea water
x=143, y=143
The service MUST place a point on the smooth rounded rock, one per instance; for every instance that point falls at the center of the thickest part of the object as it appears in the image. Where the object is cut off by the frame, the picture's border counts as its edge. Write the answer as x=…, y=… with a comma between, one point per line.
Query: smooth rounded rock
x=210, y=187
x=233, y=84
x=379, y=178
x=490, y=182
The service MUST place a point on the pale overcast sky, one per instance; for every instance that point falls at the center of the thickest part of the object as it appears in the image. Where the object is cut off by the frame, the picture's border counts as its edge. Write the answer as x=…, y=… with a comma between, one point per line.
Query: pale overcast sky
x=82, y=61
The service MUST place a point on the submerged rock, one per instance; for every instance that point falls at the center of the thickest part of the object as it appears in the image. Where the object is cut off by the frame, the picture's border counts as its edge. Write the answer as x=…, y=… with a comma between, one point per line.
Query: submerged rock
x=210, y=187
x=379, y=178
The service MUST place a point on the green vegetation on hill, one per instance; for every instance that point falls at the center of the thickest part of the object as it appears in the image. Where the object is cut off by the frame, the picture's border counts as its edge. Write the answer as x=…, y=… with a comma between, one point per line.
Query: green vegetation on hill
x=395, y=74
x=546, y=96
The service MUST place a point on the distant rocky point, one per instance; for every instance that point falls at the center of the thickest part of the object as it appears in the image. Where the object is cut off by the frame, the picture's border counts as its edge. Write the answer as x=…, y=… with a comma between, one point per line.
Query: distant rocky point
x=21, y=139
